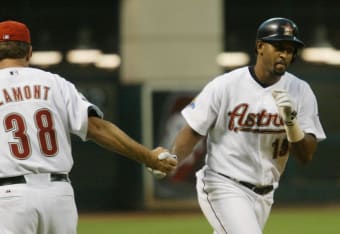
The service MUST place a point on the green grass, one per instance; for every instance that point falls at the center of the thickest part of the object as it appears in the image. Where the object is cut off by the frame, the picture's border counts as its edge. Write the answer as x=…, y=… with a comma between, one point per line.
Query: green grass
x=148, y=224
x=304, y=221
x=281, y=221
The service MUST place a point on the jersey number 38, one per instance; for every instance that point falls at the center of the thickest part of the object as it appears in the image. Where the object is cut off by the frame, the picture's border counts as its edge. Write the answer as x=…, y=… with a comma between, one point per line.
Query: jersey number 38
x=46, y=135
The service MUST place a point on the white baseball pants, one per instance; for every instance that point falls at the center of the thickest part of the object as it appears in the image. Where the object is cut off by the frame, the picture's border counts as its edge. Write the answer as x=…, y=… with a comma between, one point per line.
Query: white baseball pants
x=38, y=206
x=230, y=207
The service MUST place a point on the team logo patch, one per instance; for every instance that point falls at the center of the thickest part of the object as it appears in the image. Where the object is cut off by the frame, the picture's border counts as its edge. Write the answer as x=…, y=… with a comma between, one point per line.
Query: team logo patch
x=192, y=103
x=6, y=37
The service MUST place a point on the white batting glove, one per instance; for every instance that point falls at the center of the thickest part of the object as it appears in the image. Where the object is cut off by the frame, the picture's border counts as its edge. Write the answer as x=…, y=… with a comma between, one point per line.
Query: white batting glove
x=288, y=115
x=157, y=173
x=285, y=106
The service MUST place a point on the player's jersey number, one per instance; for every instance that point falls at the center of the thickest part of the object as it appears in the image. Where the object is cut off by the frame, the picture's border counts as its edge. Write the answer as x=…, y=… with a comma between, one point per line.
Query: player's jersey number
x=46, y=134
x=280, y=148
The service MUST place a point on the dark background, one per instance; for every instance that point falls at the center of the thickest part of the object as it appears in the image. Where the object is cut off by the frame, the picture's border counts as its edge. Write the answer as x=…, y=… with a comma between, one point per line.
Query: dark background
x=103, y=182
x=243, y=17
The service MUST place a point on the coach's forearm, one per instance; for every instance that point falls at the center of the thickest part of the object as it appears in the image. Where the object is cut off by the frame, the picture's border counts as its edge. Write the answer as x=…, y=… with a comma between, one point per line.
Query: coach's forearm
x=109, y=136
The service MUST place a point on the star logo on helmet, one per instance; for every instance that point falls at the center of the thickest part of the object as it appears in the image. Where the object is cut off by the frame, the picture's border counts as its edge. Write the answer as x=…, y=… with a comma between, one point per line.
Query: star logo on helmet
x=287, y=30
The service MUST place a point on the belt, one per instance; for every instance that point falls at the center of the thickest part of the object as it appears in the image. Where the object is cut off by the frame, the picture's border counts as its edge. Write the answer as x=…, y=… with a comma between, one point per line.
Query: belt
x=262, y=190
x=21, y=179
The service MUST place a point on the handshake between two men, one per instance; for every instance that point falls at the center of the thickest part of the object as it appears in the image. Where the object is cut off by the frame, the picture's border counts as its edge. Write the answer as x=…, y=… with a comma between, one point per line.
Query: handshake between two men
x=165, y=164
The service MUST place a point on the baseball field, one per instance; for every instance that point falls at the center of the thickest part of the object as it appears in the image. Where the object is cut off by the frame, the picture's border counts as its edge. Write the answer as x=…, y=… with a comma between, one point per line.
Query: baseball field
x=305, y=220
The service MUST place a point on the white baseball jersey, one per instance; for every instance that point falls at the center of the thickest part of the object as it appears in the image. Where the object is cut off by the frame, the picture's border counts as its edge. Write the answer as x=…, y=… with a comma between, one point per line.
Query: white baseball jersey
x=38, y=111
x=246, y=136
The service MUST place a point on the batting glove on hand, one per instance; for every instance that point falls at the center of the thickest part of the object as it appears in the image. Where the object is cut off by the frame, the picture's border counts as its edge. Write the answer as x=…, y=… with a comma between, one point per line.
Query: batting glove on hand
x=288, y=114
x=285, y=106
x=157, y=173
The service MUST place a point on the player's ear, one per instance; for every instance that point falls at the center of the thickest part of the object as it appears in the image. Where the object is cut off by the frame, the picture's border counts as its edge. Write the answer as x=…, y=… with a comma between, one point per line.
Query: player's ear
x=259, y=46
x=29, y=55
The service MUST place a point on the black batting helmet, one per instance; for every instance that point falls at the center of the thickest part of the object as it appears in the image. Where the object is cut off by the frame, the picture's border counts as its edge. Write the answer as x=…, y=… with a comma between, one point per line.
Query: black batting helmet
x=279, y=29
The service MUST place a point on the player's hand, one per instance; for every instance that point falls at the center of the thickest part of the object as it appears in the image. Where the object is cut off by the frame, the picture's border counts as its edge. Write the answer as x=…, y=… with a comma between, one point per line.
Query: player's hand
x=285, y=106
x=164, y=164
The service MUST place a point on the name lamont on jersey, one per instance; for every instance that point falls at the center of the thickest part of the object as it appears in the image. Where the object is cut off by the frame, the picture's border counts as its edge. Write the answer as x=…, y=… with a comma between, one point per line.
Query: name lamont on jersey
x=23, y=93
x=242, y=120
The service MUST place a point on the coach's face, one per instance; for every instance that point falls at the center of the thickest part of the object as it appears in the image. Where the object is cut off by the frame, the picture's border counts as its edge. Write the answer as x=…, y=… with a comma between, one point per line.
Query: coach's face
x=276, y=56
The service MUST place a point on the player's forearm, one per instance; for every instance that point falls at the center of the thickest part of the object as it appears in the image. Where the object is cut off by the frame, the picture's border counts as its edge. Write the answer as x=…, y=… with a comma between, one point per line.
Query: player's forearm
x=303, y=145
x=185, y=142
x=304, y=149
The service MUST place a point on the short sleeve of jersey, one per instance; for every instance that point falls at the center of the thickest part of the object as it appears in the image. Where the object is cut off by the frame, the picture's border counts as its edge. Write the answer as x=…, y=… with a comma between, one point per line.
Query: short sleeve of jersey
x=308, y=114
x=77, y=109
x=201, y=113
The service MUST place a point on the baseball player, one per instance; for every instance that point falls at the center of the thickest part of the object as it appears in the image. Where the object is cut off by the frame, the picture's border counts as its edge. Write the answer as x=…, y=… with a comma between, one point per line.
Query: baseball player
x=38, y=111
x=254, y=117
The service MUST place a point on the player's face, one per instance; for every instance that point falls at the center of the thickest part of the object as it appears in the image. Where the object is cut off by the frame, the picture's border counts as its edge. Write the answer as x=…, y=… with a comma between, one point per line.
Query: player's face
x=278, y=56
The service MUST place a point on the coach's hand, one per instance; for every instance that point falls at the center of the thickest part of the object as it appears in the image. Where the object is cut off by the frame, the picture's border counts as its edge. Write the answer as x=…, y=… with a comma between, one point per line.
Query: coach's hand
x=164, y=164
